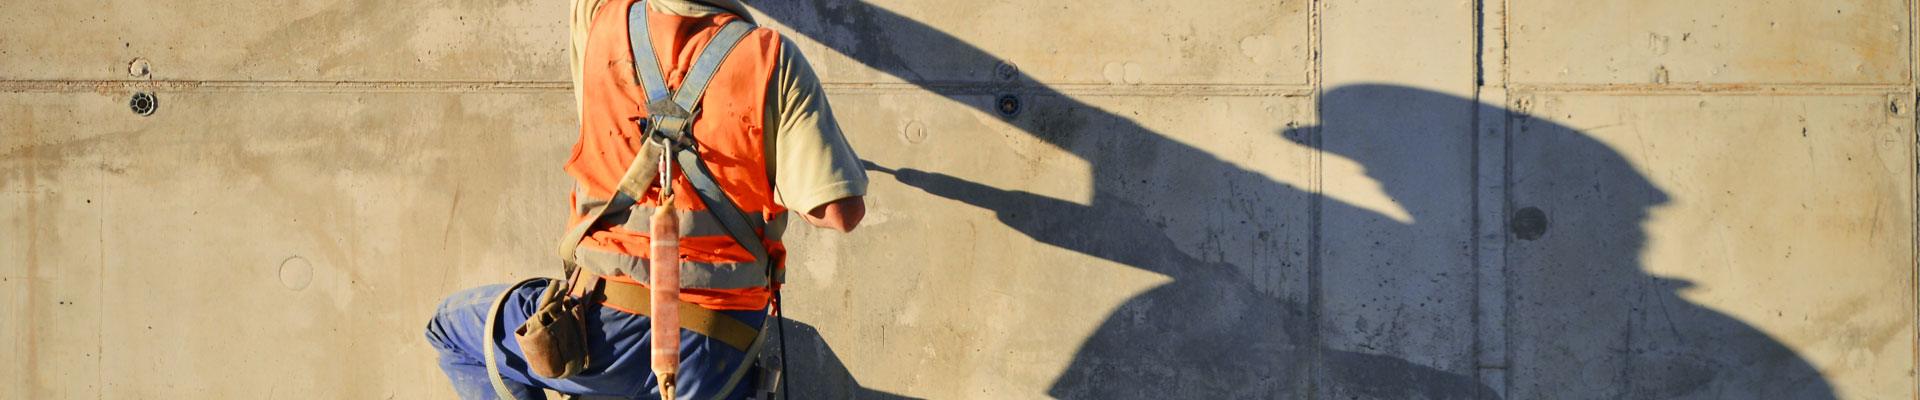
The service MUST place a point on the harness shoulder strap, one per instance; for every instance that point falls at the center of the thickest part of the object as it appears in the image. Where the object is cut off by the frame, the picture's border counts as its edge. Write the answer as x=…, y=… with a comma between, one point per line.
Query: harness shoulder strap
x=646, y=64
x=688, y=97
x=695, y=85
x=672, y=114
x=731, y=219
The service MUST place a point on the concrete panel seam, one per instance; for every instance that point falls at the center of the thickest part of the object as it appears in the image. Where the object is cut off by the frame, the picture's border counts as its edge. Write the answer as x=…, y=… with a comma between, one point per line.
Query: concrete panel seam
x=55, y=86
x=1692, y=89
x=1316, y=341
x=1506, y=38
x=1078, y=89
x=858, y=88
x=1489, y=198
x=1913, y=173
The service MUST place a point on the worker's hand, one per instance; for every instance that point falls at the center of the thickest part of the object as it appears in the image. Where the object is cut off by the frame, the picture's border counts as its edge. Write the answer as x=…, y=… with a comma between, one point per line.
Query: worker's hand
x=840, y=215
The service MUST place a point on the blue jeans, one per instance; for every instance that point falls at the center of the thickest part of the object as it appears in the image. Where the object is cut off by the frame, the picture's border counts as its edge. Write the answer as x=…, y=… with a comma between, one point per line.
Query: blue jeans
x=617, y=344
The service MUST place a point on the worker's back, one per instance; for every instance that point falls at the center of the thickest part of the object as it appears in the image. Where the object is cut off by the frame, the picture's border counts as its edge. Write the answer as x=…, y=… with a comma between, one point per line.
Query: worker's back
x=706, y=112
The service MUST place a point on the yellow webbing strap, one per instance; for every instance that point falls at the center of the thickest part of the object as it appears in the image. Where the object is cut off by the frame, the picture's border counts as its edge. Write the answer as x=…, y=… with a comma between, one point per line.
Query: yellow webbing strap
x=726, y=329
x=747, y=361
x=637, y=180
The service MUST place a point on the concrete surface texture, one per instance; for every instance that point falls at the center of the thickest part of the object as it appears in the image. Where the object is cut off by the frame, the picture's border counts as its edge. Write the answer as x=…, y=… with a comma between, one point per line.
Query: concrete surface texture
x=1517, y=199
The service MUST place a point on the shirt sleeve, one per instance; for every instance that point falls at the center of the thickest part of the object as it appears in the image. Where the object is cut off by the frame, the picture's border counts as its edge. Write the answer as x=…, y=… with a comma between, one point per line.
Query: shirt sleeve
x=810, y=160
x=577, y=26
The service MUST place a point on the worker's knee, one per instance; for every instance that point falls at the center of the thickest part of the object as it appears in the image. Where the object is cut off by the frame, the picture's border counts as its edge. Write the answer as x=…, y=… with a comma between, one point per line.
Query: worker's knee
x=439, y=335
x=460, y=316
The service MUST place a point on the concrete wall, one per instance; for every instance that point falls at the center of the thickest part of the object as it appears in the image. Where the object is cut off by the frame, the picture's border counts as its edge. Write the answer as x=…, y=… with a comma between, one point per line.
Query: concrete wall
x=1294, y=199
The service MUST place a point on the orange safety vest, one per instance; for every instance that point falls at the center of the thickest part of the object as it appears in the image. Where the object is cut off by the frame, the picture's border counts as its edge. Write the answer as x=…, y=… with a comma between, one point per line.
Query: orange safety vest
x=732, y=144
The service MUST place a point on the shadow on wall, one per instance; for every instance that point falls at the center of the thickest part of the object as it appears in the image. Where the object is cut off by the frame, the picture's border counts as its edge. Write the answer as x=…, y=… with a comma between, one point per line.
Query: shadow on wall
x=1591, y=321
x=814, y=370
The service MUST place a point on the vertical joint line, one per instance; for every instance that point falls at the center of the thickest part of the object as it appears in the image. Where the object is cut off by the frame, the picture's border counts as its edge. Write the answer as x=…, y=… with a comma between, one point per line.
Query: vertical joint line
x=1479, y=48
x=1506, y=65
x=1913, y=178
x=1473, y=176
x=1913, y=175
x=1315, y=306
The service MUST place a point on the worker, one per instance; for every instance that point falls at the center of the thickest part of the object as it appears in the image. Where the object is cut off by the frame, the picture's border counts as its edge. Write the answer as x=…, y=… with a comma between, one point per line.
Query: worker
x=761, y=132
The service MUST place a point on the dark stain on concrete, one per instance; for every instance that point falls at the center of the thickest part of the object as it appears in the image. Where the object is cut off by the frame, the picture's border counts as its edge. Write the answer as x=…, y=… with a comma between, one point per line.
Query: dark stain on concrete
x=1529, y=223
x=35, y=302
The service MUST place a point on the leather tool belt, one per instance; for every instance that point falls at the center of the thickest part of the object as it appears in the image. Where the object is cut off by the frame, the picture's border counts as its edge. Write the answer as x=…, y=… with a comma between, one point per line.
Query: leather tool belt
x=633, y=298
x=554, y=336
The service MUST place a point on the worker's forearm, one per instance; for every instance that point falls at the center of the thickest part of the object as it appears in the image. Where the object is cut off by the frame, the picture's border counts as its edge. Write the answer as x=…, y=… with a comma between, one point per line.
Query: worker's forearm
x=841, y=215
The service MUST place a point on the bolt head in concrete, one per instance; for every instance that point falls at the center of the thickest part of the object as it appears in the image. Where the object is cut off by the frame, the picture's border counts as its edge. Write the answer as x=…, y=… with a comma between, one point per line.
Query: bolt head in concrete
x=1008, y=105
x=143, y=103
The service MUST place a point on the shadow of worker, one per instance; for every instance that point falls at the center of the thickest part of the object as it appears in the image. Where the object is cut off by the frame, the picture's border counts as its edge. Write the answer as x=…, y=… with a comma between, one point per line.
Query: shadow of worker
x=1585, y=317
x=814, y=370
x=1221, y=329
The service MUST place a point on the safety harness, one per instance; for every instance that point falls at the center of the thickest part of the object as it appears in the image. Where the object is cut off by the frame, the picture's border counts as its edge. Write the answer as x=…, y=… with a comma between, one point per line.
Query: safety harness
x=668, y=136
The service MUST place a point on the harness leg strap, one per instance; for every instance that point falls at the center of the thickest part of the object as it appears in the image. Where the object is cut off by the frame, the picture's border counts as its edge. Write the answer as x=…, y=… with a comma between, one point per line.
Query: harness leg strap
x=492, y=338
x=747, y=360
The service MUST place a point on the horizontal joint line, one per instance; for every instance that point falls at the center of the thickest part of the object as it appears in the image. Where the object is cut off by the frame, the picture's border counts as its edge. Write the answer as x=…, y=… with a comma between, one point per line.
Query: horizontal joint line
x=1707, y=88
x=1092, y=89
x=59, y=86
x=942, y=88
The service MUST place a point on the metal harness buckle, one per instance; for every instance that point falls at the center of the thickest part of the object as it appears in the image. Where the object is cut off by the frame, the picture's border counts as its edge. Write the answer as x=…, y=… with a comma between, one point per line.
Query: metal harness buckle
x=668, y=121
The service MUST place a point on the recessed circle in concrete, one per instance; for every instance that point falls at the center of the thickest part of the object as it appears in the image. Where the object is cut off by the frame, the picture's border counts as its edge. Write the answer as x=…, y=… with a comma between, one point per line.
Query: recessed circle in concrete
x=1006, y=71
x=1529, y=223
x=139, y=68
x=296, y=273
x=914, y=132
x=143, y=103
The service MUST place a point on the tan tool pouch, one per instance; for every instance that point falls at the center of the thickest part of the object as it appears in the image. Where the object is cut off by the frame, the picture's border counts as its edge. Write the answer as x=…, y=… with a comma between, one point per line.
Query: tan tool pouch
x=554, y=338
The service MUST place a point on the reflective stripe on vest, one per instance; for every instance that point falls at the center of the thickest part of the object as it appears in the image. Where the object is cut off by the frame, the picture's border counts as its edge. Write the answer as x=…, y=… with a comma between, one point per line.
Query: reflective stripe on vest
x=723, y=275
x=692, y=222
x=693, y=274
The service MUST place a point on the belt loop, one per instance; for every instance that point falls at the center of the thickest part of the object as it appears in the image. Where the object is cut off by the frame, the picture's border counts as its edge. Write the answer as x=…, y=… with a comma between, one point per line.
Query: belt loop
x=583, y=284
